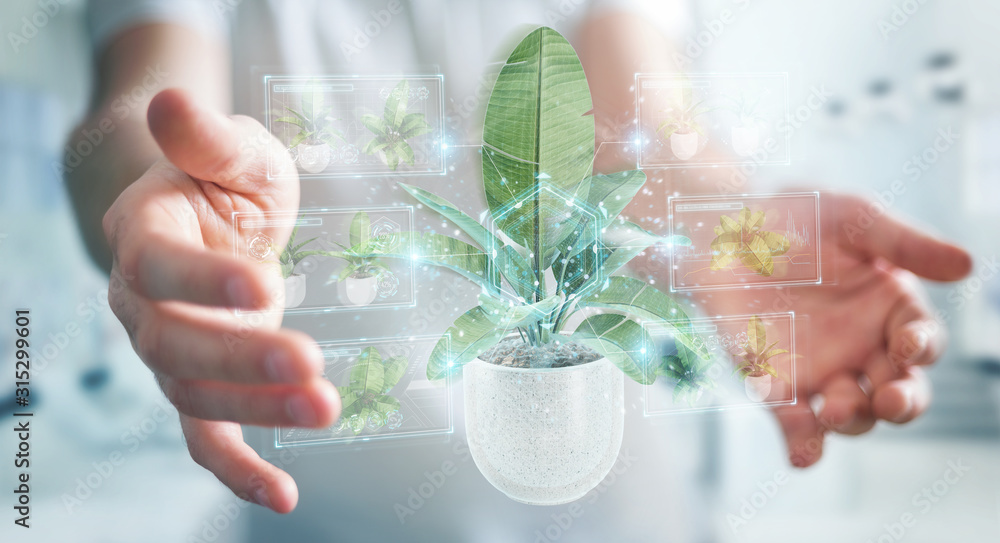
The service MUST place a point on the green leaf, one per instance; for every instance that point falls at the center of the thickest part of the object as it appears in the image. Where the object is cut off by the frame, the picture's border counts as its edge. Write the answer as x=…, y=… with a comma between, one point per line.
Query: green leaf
x=375, y=124
x=385, y=404
x=395, y=104
x=622, y=341
x=368, y=373
x=756, y=335
x=299, y=138
x=511, y=315
x=611, y=193
x=290, y=120
x=537, y=131
x=395, y=368
x=349, y=399
x=470, y=336
x=360, y=229
x=635, y=297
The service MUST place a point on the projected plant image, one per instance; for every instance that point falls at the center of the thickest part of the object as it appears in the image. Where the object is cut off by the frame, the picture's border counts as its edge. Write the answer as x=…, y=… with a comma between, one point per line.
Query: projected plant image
x=394, y=128
x=681, y=126
x=365, y=400
x=313, y=145
x=689, y=373
x=289, y=259
x=746, y=134
x=362, y=274
x=743, y=239
x=754, y=366
x=551, y=261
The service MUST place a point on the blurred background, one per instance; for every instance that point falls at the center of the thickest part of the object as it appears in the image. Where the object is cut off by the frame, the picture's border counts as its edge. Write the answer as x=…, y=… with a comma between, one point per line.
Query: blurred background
x=893, y=76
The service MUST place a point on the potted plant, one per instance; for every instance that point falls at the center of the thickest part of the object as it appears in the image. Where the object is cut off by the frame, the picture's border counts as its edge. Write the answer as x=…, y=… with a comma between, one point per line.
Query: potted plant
x=682, y=128
x=365, y=400
x=313, y=145
x=289, y=259
x=542, y=355
x=394, y=128
x=746, y=133
x=744, y=239
x=690, y=374
x=360, y=279
x=754, y=367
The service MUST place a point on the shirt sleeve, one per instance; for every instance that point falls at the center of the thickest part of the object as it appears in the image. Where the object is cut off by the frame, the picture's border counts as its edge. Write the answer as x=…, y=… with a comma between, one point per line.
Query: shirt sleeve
x=108, y=18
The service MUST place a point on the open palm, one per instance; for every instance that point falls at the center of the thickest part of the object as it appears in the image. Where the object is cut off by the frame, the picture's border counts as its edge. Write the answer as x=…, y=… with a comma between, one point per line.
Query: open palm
x=867, y=330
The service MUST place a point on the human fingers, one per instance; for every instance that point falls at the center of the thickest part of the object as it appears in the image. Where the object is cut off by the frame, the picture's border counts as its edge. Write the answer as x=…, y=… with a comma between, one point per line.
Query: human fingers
x=846, y=408
x=312, y=404
x=235, y=153
x=904, y=398
x=189, y=345
x=219, y=448
x=899, y=242
x=803, y=433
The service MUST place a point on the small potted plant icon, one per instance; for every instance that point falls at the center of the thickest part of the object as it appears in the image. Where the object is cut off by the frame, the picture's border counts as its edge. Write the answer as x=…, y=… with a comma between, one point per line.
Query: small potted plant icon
x=394, y=128
x=682, y=128
x=364, y=274
x=746, y=133
x=754, y=367
x=312, y=147
x=365, y=399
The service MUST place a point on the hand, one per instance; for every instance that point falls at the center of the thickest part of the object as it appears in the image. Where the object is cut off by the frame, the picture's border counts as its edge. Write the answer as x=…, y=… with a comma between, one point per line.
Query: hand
x=873, y=324
x=175, y=281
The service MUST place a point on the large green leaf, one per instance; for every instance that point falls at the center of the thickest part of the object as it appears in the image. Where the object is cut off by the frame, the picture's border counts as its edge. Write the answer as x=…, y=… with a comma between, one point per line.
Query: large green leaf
x=435, y=250
x=622, y=341
x=368, y=374
x=395, y=367
x=360, y=228
x=395, y=105
x=635, y=297
x=537, y=131
x=510, y=315
x=470, y=336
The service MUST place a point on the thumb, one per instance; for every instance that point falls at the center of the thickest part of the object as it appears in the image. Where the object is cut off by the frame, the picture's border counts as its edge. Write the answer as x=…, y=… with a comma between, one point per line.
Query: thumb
x=233, y=152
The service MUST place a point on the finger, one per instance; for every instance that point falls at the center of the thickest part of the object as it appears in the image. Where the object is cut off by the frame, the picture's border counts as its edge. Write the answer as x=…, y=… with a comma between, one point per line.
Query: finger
x=847, y=409
x=903, y=399
x=881, y=235
x=219, y=448
x=803, y=434
x=186, y=347
x=314, y=404
x=163, y=268
x=207, y=145
x=912, y=336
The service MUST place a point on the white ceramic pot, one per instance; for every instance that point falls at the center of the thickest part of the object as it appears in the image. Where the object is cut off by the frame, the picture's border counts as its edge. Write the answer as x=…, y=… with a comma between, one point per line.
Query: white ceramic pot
x=544, y=436
x=684, y=146
x=361, y=289
x=758, y=388
x=295, y=290
x=746, y=140
x=313, y=158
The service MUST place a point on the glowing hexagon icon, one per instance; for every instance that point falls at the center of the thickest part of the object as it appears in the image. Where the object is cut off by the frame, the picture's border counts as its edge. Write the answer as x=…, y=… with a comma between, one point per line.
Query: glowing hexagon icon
x=383, y=234
x=571, y=221
x=259, y=247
